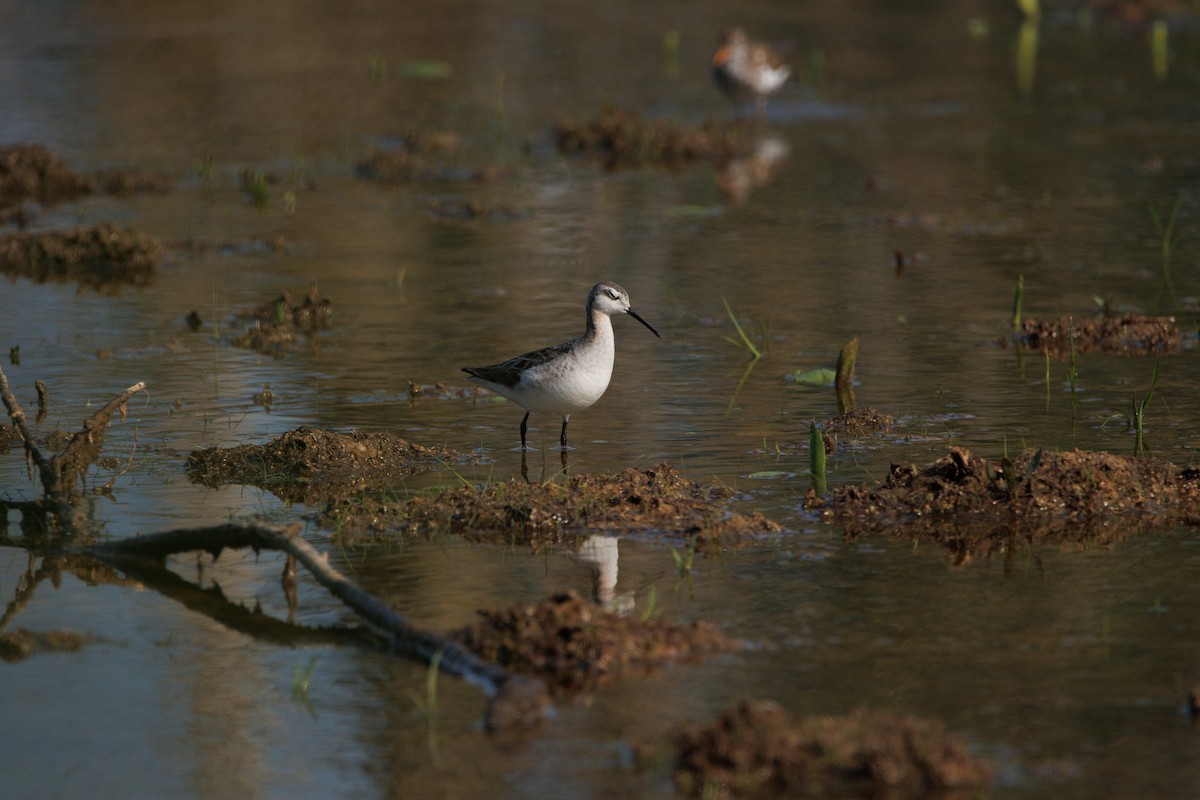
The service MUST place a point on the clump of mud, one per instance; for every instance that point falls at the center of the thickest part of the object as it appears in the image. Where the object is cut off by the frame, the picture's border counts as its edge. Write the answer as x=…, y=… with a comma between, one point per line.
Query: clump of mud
x=625, y=140
x=539, y=514
x=420, y=155
x=856, y=424
x=135, y=181
x=575, y=645
x=760, y=750
x=33, y=174
x=101, y=257
x=310, y=464
x=1124, y=334
x=20, y=644
x=973, y=504
x=271, y=328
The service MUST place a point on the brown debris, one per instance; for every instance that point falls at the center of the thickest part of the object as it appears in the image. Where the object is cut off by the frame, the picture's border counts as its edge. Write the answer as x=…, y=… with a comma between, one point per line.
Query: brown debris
x=1125, y=334
x=311, y=464
x=31, y=172
x=272, y=327
x=856, y=424
x=972, y=503
x=760, y=750
x=410, y=160
x=101, y=257
x=135, y=181
x=538, y=514
x=575, y=645
x=624, y=140
x=20, y=644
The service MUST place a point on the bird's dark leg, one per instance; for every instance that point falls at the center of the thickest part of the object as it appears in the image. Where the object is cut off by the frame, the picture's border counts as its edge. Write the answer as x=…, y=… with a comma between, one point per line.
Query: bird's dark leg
x=524, y=427
x=562, y=440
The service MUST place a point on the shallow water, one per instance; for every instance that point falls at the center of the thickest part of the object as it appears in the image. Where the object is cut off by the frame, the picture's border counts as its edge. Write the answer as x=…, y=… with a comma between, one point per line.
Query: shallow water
x=1066, y=667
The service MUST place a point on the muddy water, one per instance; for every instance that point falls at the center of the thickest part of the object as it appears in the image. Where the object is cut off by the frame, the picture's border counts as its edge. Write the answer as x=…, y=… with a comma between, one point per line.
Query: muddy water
x=1067, y=668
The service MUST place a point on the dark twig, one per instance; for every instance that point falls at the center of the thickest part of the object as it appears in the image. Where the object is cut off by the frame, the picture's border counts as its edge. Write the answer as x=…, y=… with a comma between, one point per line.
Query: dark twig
x=59, y=472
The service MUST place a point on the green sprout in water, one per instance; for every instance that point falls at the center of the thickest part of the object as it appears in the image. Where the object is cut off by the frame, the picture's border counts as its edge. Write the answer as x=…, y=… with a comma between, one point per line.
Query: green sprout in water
x=1139, y=416
x=1016, y=312
x=844, y=380
x=816, y=460
x=1166, y=236
x=1073, y=372
x=301, y=678
x=257, y=185
x=743, y=340
x=684, y=561
x=1160, y=49
x=379, y=67
x=651, y=601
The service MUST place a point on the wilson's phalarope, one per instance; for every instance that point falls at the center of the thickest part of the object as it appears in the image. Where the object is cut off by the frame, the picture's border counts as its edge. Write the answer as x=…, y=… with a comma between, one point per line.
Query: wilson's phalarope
x=742, y=67
x=568, y=377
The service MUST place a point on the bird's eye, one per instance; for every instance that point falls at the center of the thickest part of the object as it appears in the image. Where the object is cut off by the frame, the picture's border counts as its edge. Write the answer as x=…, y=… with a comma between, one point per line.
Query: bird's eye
x=612, y=294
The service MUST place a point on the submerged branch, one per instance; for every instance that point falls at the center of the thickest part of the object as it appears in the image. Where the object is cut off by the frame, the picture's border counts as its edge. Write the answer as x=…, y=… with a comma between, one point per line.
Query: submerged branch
x=515, y=699
x=59, y=472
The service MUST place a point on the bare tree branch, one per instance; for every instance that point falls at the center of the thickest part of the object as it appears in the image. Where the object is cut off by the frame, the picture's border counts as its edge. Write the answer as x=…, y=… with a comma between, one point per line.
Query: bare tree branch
x=516, y=699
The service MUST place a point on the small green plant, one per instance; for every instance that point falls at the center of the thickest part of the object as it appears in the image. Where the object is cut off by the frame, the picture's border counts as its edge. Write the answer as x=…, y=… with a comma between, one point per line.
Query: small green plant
x=1166, y=236
x=684, y=561
x=813, y=74
x=1138, y=414
x=816, y=460
x=651, y=601
x=428, y=705
x=1016, y=310
x=1160, y=49
x=301, y=679
x=256, y=184
x=1073, y=372
x=379, y=67
x=743, y=340
x=206, y=171
x=1046, y=359
x=670, y=53
x=844, y=376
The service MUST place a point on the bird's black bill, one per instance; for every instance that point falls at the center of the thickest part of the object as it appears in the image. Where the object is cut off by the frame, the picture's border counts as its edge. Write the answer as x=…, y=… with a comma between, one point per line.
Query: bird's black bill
x=633, y=314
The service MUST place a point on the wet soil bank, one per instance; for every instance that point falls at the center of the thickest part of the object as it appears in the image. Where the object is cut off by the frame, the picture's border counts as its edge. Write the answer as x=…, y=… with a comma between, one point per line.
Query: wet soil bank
x=760, y=750
x=313, y=465
x=354, y=473
x=576, y=645
x=103, y=256
x=657, y=500
x=975, y=504
x=623, y=139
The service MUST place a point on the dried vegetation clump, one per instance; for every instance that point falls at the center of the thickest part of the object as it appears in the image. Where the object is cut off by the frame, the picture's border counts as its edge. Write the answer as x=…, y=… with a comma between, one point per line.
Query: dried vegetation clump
x=625, y=140
x=271, y=328
x=1124, y=334
x=538, y=514
x=20, y=644
x=575, y=645
x=102, y=257
x=856, y=424
x=31, y=174
x=1038, y=496
x=760, y=750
